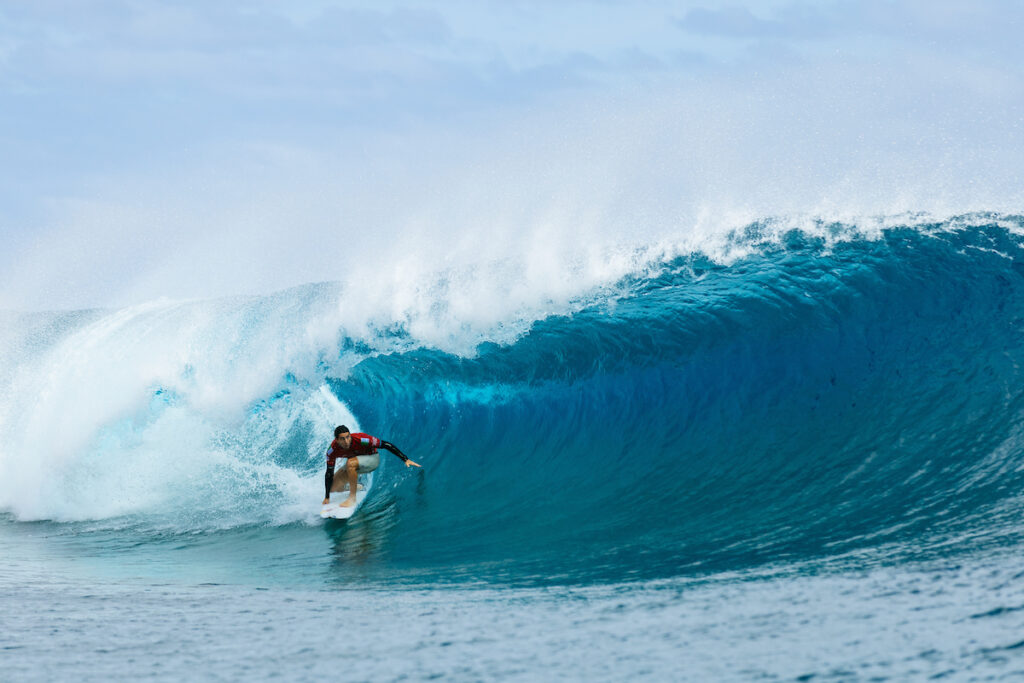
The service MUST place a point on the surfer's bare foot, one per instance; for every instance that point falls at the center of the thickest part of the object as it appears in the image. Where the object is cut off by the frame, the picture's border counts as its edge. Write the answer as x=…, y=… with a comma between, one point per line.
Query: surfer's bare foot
x=347, y=503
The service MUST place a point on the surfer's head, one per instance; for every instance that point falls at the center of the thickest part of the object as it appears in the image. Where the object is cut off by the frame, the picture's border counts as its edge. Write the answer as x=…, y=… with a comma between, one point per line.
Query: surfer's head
x=342, y=435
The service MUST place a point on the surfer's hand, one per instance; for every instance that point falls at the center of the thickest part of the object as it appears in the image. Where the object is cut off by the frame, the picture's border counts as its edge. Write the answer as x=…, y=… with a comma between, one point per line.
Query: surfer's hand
x=410, y=463
x=326, y=501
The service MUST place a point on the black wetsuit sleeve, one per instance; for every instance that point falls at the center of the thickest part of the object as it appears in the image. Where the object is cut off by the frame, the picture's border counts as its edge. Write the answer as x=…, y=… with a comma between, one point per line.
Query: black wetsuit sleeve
x=328, y=480
x=388, y=446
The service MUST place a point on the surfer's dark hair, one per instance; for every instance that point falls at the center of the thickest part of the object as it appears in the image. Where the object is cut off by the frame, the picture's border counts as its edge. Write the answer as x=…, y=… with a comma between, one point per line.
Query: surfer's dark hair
x=339, y=430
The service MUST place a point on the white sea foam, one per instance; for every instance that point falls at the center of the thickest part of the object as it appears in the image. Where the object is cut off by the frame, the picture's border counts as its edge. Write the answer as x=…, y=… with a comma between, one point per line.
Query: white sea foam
x=164, y=401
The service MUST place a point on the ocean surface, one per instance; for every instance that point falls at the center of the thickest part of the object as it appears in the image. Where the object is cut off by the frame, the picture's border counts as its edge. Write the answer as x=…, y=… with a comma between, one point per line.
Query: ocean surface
x=795, y=453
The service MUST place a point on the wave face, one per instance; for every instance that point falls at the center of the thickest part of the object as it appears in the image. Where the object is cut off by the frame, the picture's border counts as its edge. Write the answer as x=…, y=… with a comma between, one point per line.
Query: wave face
x=810, y=399
x=833, y=390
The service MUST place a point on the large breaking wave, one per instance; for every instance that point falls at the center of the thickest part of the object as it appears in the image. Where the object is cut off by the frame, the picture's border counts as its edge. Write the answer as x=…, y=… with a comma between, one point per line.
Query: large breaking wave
x=797, y=392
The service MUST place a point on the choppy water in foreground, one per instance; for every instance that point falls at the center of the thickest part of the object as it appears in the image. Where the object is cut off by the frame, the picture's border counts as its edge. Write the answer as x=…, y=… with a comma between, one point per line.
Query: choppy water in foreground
x=962, y=621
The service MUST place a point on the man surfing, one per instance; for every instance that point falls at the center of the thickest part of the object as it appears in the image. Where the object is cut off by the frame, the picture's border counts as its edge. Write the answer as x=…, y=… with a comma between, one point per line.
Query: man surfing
x=360, y=453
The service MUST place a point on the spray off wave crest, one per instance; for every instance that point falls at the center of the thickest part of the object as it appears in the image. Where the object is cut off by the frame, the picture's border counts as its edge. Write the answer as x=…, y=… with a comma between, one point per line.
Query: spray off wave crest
x=794, y=388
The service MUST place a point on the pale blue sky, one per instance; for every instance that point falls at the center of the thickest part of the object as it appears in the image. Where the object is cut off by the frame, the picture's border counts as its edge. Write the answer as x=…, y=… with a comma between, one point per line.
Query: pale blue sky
x=198, y=148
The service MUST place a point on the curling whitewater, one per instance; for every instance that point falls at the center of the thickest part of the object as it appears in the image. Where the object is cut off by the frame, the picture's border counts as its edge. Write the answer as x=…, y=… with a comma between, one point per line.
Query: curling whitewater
x=823, y=395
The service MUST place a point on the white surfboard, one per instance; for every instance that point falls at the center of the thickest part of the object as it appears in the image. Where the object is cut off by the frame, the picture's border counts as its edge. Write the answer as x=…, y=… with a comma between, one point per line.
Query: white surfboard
x=334, y=511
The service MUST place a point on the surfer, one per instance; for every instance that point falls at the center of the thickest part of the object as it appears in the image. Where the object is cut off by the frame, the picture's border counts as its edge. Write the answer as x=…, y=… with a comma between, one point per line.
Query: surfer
x=360, y=452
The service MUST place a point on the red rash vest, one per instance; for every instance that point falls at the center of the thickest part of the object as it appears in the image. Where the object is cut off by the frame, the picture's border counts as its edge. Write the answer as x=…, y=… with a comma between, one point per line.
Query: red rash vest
x=362, y=444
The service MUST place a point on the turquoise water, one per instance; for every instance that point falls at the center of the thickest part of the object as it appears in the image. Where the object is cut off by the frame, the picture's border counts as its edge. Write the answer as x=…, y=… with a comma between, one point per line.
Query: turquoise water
x=796, y=457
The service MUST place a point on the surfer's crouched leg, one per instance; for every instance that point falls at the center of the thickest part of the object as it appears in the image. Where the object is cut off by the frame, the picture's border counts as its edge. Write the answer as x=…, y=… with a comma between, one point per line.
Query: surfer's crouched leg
x=352, y=469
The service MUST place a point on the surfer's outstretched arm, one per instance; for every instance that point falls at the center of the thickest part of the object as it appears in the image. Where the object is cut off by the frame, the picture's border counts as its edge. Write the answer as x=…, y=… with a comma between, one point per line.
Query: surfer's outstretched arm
x=328, y=480
x=388, y=446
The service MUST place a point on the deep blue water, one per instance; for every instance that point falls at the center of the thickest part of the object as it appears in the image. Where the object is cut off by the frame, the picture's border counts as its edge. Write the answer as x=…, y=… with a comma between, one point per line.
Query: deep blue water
x=821, y=438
